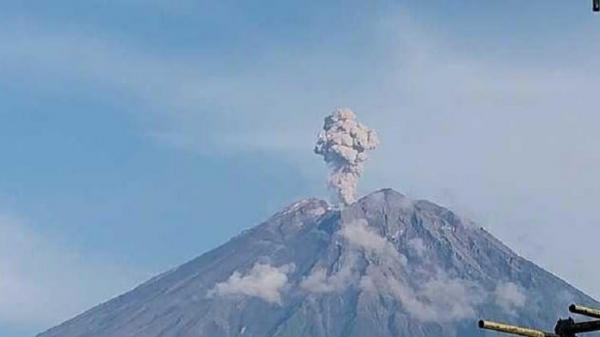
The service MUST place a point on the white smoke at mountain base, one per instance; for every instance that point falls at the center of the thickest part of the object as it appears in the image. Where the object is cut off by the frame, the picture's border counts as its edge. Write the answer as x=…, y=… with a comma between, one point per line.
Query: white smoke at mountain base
x=509, y=297
x=359, y=238
x=438, y=299
x=343, y=144
x=417, y=246
x=359, y=234
x=319, y=282
x=263, y=281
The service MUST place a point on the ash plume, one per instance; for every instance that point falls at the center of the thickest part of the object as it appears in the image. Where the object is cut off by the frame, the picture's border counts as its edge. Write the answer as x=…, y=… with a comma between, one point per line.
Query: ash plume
x=343, y=143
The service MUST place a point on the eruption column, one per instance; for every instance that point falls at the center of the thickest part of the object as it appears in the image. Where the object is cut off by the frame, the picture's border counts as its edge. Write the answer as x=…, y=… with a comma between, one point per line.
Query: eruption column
x=343, y=144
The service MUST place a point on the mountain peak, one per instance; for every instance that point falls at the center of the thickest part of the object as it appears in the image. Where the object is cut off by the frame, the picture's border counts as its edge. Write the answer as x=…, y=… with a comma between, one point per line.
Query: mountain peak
x=383, y=266
x=309, y=205
x=383, y=192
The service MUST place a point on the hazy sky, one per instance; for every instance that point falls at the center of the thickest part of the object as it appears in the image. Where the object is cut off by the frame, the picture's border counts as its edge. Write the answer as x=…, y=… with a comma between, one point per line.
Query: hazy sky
x=135, y=135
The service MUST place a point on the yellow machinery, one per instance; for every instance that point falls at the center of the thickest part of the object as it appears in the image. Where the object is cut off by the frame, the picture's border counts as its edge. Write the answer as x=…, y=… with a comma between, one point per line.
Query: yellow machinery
x=564, y=327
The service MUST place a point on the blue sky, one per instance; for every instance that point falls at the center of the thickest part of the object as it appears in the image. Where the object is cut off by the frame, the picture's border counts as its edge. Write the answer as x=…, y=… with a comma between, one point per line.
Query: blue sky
x=135, y=135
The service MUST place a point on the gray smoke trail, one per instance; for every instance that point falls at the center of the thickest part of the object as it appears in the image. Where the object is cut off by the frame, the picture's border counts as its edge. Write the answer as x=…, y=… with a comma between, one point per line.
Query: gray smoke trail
x=343, y=144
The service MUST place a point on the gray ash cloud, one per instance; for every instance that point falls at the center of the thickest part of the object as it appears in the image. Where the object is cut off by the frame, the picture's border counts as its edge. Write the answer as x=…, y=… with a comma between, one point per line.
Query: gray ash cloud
x=344, y=143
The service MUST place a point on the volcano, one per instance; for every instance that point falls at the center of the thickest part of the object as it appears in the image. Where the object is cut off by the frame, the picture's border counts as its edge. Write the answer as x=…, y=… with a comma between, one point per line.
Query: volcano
x=384, y=266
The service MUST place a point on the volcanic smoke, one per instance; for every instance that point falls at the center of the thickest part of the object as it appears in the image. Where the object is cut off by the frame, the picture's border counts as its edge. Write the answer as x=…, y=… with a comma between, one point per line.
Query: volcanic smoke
x=343, y=143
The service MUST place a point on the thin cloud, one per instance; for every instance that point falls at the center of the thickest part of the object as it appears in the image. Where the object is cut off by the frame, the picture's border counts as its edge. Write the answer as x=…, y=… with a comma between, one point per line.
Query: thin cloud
x=43, y=283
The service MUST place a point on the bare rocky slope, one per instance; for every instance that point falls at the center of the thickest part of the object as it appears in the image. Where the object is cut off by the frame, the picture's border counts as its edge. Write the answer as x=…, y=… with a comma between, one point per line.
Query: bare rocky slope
x=384, y=266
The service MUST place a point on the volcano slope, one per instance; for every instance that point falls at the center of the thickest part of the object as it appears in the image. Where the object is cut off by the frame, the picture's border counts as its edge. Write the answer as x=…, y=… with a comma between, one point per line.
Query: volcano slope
x=384, y=266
